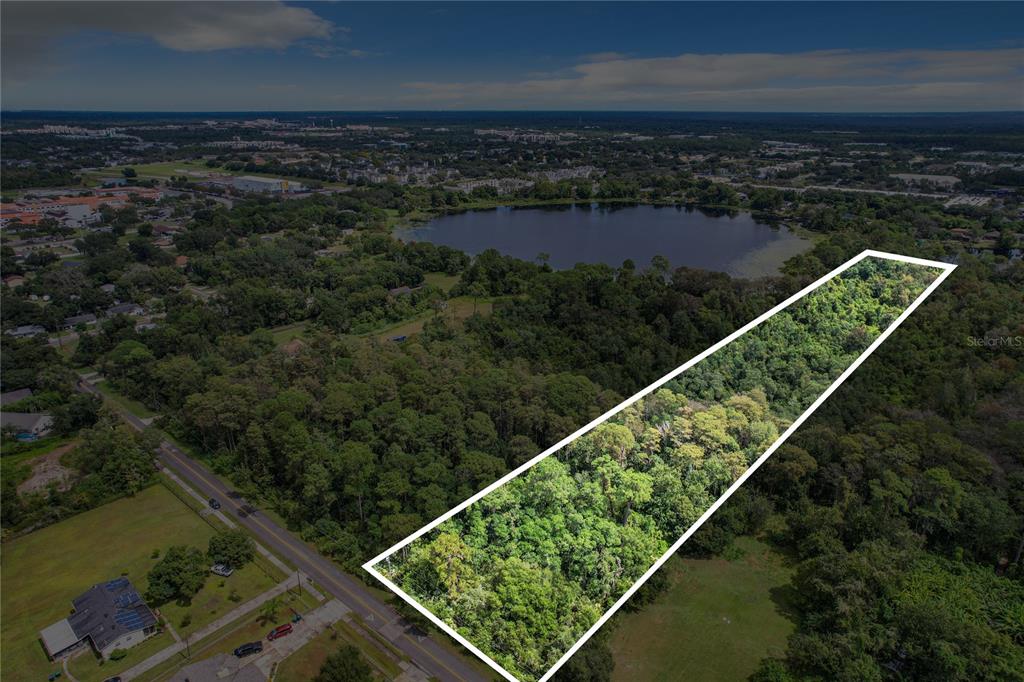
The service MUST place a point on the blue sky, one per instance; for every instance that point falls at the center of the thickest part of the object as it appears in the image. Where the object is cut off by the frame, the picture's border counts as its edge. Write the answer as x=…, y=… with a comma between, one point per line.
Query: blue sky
x=617, y=56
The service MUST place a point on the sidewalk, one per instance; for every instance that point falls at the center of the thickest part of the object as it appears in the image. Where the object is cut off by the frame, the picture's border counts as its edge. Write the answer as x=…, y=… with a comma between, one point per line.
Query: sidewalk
x=226, y=520
x=311, y=625
x=248, y=607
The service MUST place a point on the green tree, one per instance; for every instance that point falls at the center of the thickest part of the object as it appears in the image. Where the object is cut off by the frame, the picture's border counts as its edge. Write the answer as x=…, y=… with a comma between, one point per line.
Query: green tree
x=345, y=665
x=178, y=576
x=232, y=547
x=270, y=608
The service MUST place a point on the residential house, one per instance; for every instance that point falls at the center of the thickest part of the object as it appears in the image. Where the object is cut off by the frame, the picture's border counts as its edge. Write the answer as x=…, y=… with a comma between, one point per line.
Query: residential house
x=133, y=309
x=25, y=331
x=88, y=319
x=107, y=617
x=27, y=425
x=15, y=396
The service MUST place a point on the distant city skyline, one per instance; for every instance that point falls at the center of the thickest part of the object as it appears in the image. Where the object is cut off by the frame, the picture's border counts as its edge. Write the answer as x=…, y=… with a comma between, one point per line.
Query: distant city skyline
x=767, y=57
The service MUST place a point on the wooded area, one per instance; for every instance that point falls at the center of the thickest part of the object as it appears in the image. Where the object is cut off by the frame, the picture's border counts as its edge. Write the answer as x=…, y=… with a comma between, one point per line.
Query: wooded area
x=524, y=571
x=911, y=470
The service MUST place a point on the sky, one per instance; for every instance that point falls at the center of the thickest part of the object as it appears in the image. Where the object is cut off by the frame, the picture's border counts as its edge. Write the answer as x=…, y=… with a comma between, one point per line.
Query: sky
x=328, y=56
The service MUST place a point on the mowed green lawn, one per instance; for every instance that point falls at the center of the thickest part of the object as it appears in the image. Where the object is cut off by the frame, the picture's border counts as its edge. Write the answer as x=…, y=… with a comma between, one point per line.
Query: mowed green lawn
x=440, y=280
x=717, y=620
x=44, y=570
x=133, y=406
x=167, y=169
x=305, y=663
x=459, y=309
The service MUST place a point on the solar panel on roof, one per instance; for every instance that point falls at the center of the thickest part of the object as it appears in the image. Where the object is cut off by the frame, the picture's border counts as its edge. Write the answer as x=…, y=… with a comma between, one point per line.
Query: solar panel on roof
x=117, y=583
x=127, y=599
x=128, y=619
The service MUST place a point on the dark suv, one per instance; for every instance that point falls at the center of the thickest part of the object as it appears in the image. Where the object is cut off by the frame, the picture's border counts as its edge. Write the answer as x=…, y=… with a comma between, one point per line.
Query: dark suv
x=249, y=649
x=214, y=504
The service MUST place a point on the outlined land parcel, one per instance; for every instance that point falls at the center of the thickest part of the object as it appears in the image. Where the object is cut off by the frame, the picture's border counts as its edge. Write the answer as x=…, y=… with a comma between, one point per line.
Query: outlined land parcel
x=526, y=570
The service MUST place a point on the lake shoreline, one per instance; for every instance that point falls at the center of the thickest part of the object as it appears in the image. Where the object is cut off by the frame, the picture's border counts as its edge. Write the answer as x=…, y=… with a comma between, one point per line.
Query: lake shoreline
x=739, y=242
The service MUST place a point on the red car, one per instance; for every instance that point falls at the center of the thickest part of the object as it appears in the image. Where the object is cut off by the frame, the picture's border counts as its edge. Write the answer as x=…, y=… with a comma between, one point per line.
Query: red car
x=280, y=631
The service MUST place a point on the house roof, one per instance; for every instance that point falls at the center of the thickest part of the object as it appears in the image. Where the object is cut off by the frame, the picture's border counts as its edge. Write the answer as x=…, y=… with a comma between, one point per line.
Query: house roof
x=124, y=308
x=15, y=396
x=58, y=637
x=80, y=319
x=107, y=611
x=26, y=330
x=26, y=421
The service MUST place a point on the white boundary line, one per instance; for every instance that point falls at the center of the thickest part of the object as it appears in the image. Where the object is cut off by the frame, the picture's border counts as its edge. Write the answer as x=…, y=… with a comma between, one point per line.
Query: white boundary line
x=946, y=268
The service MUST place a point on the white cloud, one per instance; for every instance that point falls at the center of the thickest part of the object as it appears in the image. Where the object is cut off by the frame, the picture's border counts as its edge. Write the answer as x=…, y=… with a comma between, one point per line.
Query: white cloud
x=603, y=57
x=30, y=29
x=832, y=80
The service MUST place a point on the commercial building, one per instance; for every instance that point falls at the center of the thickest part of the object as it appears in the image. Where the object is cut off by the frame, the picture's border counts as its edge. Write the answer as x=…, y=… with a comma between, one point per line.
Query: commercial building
x=251, y=183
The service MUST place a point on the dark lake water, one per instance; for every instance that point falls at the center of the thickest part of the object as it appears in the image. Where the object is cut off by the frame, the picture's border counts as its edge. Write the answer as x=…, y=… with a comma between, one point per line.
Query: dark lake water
x=589, y=233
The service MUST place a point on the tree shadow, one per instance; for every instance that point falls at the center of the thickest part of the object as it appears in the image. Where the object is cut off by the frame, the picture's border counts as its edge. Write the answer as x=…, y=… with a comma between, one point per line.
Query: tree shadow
x=785, y=599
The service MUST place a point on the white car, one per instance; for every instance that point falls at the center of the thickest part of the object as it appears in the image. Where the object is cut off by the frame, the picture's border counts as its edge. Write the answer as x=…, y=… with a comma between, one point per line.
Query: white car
x=222, y=570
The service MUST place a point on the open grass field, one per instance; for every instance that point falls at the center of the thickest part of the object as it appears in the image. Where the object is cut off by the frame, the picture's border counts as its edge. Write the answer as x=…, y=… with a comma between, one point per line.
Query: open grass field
x=305, y=663
x=286, y=333
x=17, y=462
x=717, y=620
x=45, y=569
x=215, y=599
x=396, y=221
x=247, y=628
x=68, y=346
x=133, y=406
x=87, y=668
x=440, y=280
x=458, y=310
x=193, y=170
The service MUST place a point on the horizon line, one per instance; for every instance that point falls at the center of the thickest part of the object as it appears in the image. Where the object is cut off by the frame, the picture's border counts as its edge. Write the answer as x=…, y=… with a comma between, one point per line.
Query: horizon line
x=513, y=111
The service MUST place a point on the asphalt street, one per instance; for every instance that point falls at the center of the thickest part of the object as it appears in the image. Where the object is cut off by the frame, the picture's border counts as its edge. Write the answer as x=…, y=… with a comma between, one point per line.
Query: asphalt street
x=430, y=656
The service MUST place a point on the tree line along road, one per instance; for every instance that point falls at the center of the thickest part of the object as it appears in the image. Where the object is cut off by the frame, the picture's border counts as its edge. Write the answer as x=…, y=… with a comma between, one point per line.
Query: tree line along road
x=432, y=657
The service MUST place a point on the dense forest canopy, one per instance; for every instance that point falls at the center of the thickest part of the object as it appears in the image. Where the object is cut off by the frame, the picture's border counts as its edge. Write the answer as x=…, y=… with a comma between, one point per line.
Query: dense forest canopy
x=901, y=501
x=527, y=569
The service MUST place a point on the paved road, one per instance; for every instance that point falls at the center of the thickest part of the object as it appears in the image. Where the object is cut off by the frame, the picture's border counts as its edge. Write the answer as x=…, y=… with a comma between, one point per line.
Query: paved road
x=201, y=634
x=432, y=657
x=833, y=188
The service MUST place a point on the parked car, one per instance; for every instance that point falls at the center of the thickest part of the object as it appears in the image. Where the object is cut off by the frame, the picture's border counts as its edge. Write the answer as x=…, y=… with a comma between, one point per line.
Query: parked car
x=249, y=649
x=214, y=503
x=280, y=631
x=223, y=570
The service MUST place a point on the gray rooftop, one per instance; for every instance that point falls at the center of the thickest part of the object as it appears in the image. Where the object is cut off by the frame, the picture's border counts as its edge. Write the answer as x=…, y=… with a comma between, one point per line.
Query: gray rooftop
x=108, y=611
x=87, y=318
x=26, y=330
x=58, y=637
x=124, y=309
x=15, y=396
x=25, y=421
